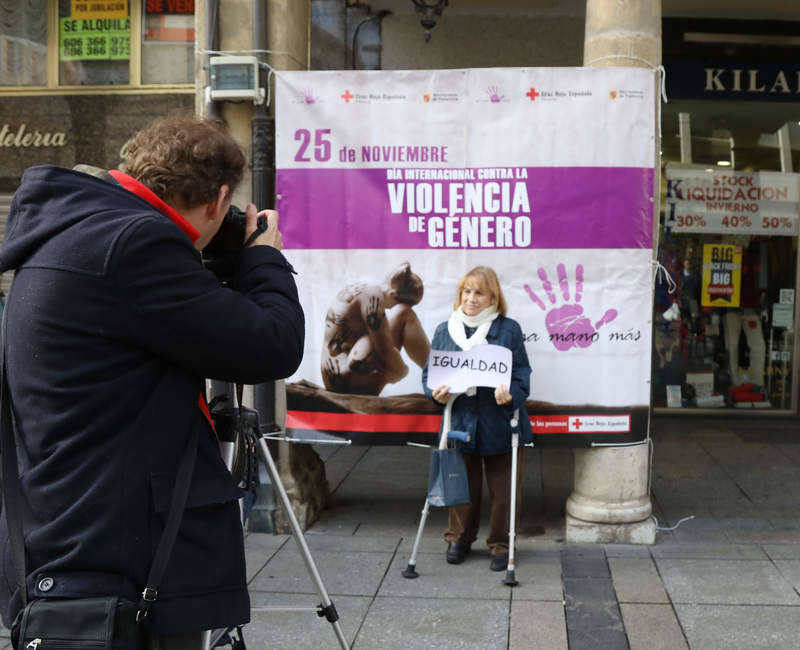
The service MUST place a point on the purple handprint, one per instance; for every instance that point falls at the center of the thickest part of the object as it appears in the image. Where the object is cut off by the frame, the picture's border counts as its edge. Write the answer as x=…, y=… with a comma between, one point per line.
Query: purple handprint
x=308, y=96
x=567, y=325
x=494, y=94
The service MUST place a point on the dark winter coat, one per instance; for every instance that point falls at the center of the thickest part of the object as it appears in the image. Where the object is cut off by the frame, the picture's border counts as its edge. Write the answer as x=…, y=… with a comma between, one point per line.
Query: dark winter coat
x=489, y=423
x=112, y=324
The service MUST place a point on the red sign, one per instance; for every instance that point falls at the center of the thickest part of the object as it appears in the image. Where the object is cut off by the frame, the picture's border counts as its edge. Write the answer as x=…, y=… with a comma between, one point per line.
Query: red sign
x=170, y=6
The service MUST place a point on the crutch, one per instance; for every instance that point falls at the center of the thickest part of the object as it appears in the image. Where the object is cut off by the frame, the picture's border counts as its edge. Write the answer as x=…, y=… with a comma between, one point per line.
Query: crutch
x=410, y=571
x=510, y=578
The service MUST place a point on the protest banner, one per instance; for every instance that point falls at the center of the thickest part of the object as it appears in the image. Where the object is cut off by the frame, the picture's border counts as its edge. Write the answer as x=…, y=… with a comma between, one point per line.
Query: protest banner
x=393, y=184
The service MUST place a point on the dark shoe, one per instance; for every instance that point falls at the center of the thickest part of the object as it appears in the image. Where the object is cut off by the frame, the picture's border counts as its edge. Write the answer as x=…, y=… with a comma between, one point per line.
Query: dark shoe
x=499, y=562
x=456, y=552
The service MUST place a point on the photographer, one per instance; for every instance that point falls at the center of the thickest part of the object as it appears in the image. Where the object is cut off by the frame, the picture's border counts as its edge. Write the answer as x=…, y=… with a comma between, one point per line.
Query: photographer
x=112, y=324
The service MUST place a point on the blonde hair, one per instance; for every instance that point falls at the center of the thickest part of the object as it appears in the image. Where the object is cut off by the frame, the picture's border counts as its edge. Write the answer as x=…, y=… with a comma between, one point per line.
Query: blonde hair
x=488, y=282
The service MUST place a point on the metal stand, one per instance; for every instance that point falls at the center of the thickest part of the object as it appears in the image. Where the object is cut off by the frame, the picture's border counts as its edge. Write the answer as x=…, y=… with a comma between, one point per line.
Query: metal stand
x=326, y=608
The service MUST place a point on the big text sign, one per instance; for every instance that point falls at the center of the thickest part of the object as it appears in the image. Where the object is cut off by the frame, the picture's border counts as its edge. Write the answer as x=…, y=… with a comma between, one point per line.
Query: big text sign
x=544, y=174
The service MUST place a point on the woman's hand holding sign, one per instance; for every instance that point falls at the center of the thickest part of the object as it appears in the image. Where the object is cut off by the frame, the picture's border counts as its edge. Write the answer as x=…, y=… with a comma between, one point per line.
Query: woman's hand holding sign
x=501, y=395
x=441, y=394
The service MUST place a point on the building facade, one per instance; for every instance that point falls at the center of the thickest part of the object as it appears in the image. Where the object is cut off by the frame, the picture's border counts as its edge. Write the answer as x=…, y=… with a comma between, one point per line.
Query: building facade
x=76, y=81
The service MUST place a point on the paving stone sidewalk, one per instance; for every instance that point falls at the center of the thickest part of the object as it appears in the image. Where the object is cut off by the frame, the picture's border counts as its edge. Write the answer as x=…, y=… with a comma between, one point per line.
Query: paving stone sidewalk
x=726, y=578
x=723, y=574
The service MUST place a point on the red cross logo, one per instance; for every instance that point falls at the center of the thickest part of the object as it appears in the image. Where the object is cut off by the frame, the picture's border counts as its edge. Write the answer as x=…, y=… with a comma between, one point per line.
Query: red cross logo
x=347, y=96
x=577, y=423
x=532, y=94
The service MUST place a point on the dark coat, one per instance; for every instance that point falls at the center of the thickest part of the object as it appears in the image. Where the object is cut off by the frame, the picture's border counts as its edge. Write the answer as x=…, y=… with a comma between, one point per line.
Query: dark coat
x=112, y=324
x=488, y=423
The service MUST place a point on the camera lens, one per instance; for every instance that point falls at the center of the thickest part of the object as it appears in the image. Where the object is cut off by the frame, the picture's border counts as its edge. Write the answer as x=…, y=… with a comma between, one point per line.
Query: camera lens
x=221, y=255
x=235, y=216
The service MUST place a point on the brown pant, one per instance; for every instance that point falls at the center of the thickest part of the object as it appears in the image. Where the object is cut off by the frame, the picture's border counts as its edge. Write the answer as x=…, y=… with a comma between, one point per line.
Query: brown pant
x=463, y=521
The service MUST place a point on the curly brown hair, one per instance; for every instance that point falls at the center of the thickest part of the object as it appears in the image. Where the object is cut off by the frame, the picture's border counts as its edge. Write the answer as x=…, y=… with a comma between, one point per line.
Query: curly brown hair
x=183, y=158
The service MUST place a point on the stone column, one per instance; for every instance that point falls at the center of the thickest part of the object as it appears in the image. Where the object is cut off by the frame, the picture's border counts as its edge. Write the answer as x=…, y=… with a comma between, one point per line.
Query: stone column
x=610, y=502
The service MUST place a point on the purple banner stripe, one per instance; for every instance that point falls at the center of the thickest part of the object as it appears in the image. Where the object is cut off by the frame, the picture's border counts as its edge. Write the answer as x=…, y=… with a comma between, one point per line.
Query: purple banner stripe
x=541, y=207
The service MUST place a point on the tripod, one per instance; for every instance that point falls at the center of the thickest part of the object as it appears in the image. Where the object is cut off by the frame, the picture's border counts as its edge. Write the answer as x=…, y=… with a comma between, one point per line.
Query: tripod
x=244, y=421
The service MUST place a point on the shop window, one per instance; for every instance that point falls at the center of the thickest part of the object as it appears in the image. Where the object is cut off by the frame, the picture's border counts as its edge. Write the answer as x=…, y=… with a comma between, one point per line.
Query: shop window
x=168, y=35
x=67, y=43
x=94, y=45
x=23, y=43
x=724, y=337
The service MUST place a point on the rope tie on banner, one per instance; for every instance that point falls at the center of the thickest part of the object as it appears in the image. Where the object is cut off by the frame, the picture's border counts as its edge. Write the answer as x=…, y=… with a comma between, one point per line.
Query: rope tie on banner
x=663, y=88
x=658, y=68
x=660, y=268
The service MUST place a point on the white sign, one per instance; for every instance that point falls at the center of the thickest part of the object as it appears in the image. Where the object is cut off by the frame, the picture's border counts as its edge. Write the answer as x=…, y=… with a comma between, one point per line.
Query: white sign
x=483, y=365
x=600, y=423
x=674, y=395
x=782, y=315
x=786, y=296
x=731, y=202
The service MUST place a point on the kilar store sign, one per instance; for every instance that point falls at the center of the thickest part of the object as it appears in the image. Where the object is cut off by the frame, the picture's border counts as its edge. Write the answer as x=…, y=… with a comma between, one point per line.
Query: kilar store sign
x=23, y=137
x=743, y=81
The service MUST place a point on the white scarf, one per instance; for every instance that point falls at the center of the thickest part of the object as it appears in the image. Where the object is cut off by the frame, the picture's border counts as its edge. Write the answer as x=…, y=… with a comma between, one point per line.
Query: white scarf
x=481, y=322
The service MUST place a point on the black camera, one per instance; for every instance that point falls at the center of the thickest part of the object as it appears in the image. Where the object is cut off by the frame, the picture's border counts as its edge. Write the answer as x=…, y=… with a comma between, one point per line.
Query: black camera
x=221, y=254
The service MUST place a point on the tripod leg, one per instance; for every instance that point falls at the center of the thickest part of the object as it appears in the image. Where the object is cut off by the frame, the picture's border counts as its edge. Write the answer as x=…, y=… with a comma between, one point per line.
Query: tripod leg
x=410, y=571
x=327, y=609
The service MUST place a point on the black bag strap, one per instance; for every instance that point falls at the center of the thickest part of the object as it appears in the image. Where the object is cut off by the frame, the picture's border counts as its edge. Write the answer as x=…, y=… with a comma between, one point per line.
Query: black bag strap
x=176, y=507
x=14, y=499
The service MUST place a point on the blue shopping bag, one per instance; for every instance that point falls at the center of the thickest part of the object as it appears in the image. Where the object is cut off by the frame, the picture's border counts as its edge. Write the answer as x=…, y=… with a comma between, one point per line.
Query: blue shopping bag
x=447, y=480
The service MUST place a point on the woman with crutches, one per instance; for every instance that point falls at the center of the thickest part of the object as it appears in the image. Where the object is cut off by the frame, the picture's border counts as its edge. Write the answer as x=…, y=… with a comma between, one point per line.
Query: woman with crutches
x=479, y=316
